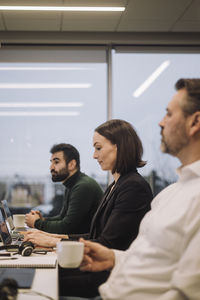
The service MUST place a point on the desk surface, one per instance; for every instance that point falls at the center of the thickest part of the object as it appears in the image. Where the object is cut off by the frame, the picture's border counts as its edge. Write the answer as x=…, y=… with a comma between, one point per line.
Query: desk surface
x=45, y=283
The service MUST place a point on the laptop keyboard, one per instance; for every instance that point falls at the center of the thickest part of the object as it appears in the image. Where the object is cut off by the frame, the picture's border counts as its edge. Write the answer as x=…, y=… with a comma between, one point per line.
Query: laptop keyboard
x=17, y=236
x=17, y=242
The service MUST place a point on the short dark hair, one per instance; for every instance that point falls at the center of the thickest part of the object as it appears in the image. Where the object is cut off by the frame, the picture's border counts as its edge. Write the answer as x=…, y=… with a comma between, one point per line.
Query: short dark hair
x=129, y=146
x=192, y=86
x=69, y=151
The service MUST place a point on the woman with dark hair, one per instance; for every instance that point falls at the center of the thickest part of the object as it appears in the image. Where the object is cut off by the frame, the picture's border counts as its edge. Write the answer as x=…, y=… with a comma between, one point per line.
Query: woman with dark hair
x=115, y=224
x=119, y=150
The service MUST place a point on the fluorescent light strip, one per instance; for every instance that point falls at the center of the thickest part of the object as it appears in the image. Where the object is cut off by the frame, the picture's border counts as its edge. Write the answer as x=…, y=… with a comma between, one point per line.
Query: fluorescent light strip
x=39, y=114
x=44, y=68
x=39, y=104
x=45, y=85
x=62, y=8
x=146, y=84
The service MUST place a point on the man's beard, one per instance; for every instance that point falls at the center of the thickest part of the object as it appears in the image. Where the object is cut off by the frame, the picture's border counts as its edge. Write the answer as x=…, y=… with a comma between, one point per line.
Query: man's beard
x=60, y=176
x=175, y=144
x=164, y=147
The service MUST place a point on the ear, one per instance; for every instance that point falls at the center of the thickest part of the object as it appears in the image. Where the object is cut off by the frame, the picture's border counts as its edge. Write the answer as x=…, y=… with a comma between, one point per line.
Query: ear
x=194, y=124
x=72, y=165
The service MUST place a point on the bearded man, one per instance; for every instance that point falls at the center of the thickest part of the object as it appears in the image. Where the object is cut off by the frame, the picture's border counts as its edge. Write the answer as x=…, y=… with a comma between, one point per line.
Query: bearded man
x=81, y=199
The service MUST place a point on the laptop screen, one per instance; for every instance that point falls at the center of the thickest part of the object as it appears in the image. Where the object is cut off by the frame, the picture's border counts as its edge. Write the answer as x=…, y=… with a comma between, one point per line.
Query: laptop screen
x=7, y=214
x=4, y=232
x=23, y=276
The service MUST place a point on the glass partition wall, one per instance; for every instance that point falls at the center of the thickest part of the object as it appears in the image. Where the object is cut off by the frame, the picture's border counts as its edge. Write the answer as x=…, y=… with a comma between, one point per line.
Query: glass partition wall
x=143, y=84
x=49, y=95
x=60, y=94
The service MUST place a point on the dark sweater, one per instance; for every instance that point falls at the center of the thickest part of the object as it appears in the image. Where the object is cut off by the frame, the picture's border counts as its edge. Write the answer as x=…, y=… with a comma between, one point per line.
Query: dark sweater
x=81, y=199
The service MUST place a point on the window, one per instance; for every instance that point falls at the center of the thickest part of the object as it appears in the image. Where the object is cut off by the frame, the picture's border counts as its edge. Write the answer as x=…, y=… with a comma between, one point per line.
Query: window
x=49, y=95
x=143, y=103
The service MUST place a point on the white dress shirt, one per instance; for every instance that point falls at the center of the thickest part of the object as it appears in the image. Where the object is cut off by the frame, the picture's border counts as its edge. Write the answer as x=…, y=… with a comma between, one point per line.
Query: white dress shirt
x=163, y=263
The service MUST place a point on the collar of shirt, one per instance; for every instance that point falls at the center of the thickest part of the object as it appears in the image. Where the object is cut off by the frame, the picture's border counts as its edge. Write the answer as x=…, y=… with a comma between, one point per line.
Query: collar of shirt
x=188, y=171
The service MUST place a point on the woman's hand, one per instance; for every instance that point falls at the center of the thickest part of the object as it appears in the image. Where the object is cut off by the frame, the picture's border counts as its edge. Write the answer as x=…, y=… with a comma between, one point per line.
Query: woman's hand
x=42, y=239
x=96, y=257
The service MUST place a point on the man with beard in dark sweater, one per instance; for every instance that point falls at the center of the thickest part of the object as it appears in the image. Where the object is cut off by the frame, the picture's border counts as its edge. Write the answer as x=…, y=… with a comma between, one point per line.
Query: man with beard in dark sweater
x=81, y=199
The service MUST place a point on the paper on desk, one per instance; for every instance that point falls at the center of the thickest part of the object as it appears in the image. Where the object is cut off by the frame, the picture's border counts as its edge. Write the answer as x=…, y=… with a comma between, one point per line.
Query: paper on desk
x=34, y=261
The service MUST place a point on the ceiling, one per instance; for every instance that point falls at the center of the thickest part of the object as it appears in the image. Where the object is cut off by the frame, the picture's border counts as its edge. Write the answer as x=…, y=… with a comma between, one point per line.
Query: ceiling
x=142, y=20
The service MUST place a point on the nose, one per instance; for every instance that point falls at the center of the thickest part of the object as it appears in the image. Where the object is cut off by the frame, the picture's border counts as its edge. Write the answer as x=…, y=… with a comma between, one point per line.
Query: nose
x=161, y=123
x=51, y=167
x=95, y=155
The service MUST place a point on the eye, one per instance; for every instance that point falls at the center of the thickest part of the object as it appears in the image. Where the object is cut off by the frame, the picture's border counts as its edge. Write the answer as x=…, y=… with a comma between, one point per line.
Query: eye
x=168, y=114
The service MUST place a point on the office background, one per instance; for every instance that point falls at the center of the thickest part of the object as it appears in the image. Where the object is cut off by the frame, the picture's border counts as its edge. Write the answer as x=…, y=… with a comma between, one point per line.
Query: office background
x=64, y=73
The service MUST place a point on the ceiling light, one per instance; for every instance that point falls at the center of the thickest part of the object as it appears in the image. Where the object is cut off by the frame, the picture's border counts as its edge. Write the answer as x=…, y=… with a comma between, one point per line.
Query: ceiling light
x=45, y=85
x=62, y=8
x=44, y=68
x=39, y=104
x=39, y=114
x=146, y=84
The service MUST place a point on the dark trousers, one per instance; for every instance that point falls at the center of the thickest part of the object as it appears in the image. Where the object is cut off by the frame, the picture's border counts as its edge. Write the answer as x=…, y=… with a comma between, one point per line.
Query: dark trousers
x=73, y=282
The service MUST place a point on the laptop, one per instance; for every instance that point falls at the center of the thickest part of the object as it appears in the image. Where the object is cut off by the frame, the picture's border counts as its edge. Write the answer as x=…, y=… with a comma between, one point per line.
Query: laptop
x=5, y=234
x=7, y=239
x=15, y=233
x=23, y=276
x=8, y=214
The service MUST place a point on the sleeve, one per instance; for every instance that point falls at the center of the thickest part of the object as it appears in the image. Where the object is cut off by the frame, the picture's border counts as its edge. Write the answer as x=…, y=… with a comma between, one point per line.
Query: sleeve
x=76, y=237
x=186, y=279
x=184, y=282
x=81, y=200
x=118, y=255
x=55, y=218
x=131, y=204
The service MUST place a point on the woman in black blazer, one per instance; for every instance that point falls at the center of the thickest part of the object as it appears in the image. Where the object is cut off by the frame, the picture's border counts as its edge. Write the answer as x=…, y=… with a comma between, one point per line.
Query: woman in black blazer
x=115, y=224
x=117, y=219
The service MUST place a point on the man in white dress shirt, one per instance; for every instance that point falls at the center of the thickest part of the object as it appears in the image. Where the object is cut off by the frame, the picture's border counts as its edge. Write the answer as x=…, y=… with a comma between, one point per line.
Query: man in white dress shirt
x=163, y=263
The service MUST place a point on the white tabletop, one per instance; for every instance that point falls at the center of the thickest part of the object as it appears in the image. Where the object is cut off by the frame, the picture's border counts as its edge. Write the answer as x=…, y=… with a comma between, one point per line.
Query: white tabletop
x=45, y=286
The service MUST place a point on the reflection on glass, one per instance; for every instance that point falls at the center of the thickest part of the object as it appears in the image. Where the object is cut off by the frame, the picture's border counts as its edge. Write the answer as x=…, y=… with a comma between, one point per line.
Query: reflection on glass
x=44, y=102
x=143, y=86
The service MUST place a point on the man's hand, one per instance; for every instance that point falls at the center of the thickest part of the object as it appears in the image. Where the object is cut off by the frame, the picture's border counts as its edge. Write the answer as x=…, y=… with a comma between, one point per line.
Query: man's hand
x=41, y=238
x=33, y=212
x=31, y=218
x=96, y=257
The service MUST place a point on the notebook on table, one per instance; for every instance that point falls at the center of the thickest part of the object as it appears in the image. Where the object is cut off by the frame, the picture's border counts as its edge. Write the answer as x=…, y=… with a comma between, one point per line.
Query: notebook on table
x=34, y=261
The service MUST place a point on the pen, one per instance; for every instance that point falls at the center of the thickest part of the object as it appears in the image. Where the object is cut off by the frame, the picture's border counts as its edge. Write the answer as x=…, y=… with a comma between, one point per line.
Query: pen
x=7, y=258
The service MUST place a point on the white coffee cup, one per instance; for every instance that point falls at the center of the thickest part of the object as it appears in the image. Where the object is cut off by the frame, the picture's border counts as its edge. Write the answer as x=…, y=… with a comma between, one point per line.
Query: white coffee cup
x=19, y=221
x=70, y=253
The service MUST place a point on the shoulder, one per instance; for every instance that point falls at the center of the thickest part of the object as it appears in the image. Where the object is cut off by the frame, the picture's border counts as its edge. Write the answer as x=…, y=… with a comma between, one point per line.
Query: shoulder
x=85, y=179
x=86, y=182
x=132, y=178
x=133, y=184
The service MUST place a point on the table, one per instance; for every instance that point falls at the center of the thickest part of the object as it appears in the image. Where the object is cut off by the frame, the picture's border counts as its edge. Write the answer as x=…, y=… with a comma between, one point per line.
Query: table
x=45, y=282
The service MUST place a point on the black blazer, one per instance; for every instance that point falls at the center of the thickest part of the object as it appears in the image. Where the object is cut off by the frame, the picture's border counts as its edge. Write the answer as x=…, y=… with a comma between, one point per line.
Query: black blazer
x=117, y=219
